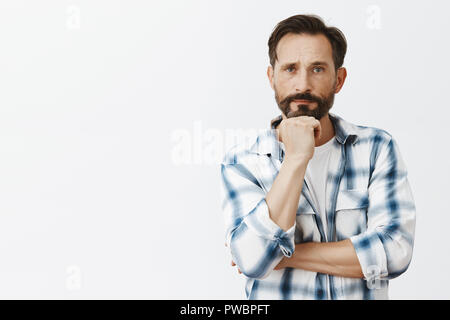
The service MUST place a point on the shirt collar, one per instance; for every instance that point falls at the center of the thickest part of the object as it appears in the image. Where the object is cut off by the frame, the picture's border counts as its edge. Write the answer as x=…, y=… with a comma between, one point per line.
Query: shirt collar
x=267, y=142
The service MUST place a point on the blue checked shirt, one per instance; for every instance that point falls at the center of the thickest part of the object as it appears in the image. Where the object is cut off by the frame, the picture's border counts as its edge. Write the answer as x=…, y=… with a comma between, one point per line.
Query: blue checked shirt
x=368, y=200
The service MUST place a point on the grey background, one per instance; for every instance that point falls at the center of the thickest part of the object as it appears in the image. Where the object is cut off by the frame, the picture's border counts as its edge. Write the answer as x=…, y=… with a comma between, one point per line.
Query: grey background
x=98, y=100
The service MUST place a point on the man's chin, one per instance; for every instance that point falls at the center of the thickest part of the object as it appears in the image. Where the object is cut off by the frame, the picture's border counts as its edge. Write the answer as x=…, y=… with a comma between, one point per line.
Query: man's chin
x=297, y=113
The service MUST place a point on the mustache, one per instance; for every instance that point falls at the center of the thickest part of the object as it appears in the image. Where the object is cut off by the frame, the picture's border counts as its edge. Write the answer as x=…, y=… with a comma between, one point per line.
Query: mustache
x=301, y=96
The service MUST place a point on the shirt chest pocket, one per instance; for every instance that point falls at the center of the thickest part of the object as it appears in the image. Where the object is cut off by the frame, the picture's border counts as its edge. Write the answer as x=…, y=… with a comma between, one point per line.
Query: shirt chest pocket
x=351, y=213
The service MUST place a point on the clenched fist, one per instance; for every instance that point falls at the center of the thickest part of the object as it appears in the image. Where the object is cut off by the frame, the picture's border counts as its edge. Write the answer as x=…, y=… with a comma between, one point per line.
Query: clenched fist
x=299, y=135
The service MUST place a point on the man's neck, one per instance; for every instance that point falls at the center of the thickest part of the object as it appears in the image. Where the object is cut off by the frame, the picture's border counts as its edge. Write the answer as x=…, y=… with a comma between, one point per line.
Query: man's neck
x=327, y=130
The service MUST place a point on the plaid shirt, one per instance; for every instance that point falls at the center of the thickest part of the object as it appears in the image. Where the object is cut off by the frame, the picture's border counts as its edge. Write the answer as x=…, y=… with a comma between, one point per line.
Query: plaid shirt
x=368, y=200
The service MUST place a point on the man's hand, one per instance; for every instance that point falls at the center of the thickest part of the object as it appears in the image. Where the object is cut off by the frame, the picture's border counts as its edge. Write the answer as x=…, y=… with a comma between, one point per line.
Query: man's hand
x=299, y=135
x=284, y=263
x=232, y=262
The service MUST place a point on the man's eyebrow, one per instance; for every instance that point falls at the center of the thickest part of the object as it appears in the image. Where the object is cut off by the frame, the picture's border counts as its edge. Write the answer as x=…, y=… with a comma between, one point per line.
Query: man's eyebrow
x=288, y=64
x=315, y=63
x=319, y=63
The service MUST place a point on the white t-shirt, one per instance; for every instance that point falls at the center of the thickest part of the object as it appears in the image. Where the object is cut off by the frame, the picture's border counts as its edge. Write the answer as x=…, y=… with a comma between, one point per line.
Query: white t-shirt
x=316, y=178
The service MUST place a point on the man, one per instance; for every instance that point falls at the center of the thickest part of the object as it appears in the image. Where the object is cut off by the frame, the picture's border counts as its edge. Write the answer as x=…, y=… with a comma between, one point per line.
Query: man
x=317, y=208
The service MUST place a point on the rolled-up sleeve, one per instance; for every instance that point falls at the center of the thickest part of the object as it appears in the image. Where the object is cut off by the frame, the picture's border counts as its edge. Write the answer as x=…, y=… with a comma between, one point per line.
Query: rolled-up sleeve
x=256, y=242
x=385, y=249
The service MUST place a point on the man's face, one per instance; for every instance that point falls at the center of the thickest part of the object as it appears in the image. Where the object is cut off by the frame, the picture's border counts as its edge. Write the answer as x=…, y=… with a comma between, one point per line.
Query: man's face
x=304, y=79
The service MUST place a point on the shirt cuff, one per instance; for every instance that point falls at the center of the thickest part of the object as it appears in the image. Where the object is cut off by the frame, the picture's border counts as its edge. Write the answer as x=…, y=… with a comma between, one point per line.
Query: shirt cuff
x=259, y=221
x=371, y=255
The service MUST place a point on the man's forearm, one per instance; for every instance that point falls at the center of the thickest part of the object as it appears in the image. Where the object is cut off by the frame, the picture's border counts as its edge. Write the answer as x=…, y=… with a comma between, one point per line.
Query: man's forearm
x=335, y=258
x=284, y=195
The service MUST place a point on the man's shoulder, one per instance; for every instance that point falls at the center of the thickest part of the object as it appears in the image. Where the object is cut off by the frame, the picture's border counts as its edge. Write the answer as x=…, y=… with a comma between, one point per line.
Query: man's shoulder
x=370, y=134
x=250, y=148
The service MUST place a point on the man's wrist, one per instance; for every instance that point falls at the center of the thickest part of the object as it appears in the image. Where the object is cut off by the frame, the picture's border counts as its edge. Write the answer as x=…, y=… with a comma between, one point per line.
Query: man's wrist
x=296, y=162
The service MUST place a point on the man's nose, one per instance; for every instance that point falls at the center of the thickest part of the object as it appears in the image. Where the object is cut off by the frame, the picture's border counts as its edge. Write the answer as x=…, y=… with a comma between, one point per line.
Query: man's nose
x=302, y=81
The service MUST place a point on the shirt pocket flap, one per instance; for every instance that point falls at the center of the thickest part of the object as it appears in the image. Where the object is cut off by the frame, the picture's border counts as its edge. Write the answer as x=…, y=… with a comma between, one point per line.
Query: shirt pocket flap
x=352, y=199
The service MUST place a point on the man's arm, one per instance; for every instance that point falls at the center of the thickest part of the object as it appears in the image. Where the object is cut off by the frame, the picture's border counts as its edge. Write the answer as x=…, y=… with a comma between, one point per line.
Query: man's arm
x=385, y=248
x=260, y=227
x=335, y=258
x=283, y=197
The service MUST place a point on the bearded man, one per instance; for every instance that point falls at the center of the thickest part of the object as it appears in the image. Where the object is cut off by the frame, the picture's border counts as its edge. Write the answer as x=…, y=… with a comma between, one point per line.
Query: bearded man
x=317, y=207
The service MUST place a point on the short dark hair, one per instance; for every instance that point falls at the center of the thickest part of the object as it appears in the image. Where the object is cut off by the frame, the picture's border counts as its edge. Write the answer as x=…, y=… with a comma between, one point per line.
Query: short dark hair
x=308, y=24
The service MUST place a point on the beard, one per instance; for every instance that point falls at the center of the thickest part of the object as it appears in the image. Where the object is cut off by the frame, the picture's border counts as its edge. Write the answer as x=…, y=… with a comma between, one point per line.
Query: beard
x=322, y=108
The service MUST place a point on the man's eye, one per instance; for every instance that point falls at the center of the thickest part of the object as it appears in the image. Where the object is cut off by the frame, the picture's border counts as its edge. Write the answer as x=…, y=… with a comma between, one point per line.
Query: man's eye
x=318, y=69
x=289, y=68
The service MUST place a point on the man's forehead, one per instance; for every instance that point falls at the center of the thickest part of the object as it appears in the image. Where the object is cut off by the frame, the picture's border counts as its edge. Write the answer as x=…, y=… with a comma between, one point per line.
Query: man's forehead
x=304, y=48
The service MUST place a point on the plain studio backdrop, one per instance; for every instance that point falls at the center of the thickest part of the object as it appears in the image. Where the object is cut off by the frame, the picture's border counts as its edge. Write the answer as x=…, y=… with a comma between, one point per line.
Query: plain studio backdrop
x=115, y=116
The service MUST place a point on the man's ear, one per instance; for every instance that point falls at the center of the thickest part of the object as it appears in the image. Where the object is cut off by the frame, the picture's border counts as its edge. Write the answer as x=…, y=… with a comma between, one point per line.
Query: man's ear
x=270, y=76
x=340, y=78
